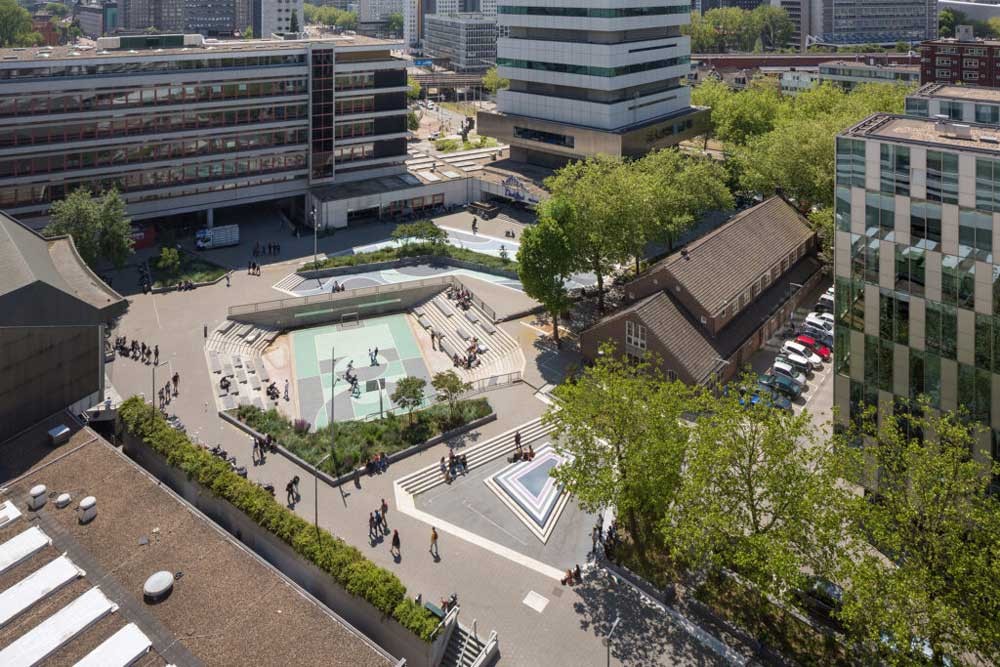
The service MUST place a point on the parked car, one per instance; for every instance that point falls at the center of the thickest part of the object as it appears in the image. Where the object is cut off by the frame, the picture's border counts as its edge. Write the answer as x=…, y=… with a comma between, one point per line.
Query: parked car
x=774, y=397
x=781, y=368
x=817, y=320
x=823, y=598
x=825, y=304
x=792, y=347
x=818, y=333
x=781, y=384
x=810, y=343
x=800, y=364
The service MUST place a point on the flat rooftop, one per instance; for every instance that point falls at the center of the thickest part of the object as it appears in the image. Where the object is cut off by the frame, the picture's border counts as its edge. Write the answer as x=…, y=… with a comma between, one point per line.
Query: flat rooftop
x=972, y=137
x=90, y=50
x=968, y=93
x=227, y=606
x=895, y=67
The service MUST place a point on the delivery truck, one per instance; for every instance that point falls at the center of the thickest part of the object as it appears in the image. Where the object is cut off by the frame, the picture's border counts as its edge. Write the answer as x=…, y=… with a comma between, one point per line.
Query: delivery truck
x=217, y=237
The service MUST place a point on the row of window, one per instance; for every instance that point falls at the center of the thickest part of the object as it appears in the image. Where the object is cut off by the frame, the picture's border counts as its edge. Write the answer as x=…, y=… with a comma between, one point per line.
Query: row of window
x=589, y=70
x=94, y=100
x=175, y=121
x=155, y=178
x=595, y=12
x=148, y=152
x=120, y=66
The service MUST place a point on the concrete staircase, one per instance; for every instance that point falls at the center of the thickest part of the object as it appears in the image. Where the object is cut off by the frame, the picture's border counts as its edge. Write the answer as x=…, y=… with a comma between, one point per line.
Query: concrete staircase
x=500, y=446
x=245, y=340
x=289, y=283
x=462, y=650
x=504, y=354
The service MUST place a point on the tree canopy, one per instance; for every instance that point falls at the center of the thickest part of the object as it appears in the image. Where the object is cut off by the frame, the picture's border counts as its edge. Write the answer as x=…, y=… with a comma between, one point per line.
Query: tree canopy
x=15, y=26
x=493, y=82
x=329, y=16
x=409, y=394
x=726, y=29
x=544, y=262
x=394, y=23
x=98, y=225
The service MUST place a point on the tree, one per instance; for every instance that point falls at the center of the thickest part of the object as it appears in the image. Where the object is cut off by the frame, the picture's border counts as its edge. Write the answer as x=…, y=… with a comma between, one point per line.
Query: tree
x=248, y=33
x=56, y=9
x=413, y=89
x=412, y=121
x=619, y=426
x=755, y=493
x=169, y=261
x=821, y=221
x=544, y=262
x=902, y=47
x=98, y=226
x=293, y=24
x=933, y=583
x=493, y=82
x=15, y=25
x=409, y=394
x=449, y=388
x=711, y=93
x=394, y=23
x=749, y=113
x=422, y=230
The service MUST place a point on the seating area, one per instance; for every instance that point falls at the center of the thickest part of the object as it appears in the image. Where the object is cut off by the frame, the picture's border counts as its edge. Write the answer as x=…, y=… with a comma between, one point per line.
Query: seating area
x=233, y=352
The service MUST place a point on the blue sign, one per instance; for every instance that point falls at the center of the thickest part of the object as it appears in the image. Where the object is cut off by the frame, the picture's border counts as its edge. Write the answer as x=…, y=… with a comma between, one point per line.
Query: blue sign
x=423, y=63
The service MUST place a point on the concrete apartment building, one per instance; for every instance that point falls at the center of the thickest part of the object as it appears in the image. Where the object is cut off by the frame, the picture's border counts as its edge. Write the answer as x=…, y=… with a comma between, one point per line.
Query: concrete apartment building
x=461, y=42
x=965, y=60
x=592, y=77
x=179, y=124
x=916, y=274
x=849, y=74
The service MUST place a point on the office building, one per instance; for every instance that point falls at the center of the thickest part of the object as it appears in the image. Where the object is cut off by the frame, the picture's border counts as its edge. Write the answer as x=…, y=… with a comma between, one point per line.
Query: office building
x=274, y=17
x=205, y=124
x=461, y=42
x=916, y=274
x=212, y=18
x=845, y=22
x=799, y=13
x=96, y=20
x=963, y=60
x=163, y=15
x=701, y=329
x=848, y=74
x=972, y=104
x=373, y=11
x=596, y=77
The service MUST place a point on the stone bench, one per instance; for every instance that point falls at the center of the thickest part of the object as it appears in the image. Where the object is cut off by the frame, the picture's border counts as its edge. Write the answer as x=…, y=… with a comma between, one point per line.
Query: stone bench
x=424, y=322
x=445, y=310
x=214, y=363
x=487, y=327
x=471, y=316
x=462, y=333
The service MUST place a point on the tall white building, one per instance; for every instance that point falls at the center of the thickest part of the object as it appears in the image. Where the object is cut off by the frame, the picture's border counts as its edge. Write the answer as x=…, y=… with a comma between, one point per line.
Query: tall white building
x=591, y=76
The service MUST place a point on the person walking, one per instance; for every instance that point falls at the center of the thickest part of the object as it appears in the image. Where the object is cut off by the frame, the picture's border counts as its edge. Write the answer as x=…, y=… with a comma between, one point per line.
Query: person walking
x=595, y=539
x=378, y=524
x=227, y=280
x=394, y=549
x=156, y=354
x=295, y=483
x=371, y=526
x=385, y=514
x=434, y=544
x=177, y=381
x=286, y=390
x=290, y=494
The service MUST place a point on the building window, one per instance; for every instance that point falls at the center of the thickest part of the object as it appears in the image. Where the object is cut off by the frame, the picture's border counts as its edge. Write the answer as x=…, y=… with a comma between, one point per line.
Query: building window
x=975, y=234
x=942, y=177
x=850, y=162
x=635, y=335
x=880, y=215
x=910, y=269
x=895, y=169
x=970, y=76
x=943, y=74
x=970, y=63
x=951, y=109
x=988, y=113
x=843, y=209
x=671, y=376
x=940, y=329
x=987, y=184
x=916, y=107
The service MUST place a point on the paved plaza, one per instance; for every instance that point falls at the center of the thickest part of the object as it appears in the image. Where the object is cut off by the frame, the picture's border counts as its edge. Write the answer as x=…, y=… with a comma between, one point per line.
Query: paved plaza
x=539, y=622
x=398, y=357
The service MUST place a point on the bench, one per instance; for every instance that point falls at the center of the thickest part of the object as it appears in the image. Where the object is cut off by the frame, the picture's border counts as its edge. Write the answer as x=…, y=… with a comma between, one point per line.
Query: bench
x=226, y=326
x=462, y=333
x=214, y=363
x=255, y=382
x=487, y=327
x=261, y=370
x=419, y=311
x=241, y=375
x=434, y=609
x=259, y=404
x=228, y=403
x=446, y=347
x=254, y=335
x=443, y=308
x=270, y=337
x=424, y=322
x=227, y=369
x=244, y=330
x=237, y=361
x=471, y=316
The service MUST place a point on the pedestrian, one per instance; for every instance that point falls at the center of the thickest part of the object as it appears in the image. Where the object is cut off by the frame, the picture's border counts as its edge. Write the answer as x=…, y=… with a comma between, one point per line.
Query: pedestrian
x=156, y=354
x=378, y=522
x=227, y=280
x=249, y=267
x=375, y=357
x=290, y=493
x=595, y=539
x=286, y=389
x=371, y=359
x=177, y=381
x=394, y=549
x=295, y=483
x=434, y=543
x=371, y=526
x=385, y=513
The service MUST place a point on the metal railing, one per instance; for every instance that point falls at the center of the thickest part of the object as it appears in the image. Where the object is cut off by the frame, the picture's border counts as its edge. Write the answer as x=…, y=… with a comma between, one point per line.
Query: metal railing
x=488, y=651
x=493, y=382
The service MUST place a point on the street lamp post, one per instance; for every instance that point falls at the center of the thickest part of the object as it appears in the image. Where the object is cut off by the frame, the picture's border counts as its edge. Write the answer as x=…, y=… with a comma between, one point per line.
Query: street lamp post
x=607, y=637
x=312, y=219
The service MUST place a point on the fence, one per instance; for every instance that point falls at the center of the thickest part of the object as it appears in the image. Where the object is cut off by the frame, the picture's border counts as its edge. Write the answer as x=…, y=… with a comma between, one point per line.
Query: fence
x=493, y=382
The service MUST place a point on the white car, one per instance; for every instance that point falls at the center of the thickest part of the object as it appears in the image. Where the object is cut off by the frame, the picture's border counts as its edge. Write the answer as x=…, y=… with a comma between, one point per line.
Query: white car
x=817, y=320
x=791, y=347
x=781, y=368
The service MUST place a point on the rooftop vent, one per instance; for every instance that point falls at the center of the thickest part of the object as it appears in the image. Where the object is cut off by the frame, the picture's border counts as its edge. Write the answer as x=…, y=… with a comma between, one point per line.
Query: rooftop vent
x=990, y=138
x=63, y=500
x=87, y=510
x=37, y=498
x=953, y=130
x=964, y=33
x=158, y=587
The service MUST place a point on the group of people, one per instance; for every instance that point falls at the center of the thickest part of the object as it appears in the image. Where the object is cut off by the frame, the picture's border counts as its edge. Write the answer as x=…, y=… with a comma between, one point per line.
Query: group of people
x=185, y=285
x=269, y=248
x=609, y=540
x=378, y=522
x=274, y=394
x=520, y=453
x=461, y=296
x=573, y=576
x=352, y=378
x=373, y=356
x=260, y=447
x=454, y=466
x=337, y=287
x=377, y=464
x=137, y=350
x=253, y=268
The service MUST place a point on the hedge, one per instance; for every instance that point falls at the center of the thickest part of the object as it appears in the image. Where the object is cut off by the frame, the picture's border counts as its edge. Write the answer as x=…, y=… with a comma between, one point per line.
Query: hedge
x=344, y=563
x=415, y=250
x=357, y=440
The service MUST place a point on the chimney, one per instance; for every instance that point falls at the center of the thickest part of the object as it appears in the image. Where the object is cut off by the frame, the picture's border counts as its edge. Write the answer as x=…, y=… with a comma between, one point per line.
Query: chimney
x=963, y=33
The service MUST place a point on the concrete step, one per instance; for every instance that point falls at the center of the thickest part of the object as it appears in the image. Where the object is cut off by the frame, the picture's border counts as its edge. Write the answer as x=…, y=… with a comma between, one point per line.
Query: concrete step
x=289, y=282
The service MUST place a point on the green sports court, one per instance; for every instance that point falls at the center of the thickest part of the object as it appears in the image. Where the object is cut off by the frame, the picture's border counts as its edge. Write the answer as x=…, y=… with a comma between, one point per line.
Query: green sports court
x=313, y=350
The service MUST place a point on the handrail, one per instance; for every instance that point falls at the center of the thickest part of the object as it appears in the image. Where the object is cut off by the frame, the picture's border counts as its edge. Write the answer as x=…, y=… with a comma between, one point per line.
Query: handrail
x=488, y=649
x=448, y=618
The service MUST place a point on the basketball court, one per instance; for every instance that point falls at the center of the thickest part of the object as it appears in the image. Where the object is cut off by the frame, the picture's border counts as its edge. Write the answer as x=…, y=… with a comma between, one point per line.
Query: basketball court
x=313, y=352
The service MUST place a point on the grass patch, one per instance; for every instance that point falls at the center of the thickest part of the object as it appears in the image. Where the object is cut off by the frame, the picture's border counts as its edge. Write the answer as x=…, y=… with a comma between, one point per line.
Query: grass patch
x=414, y=250
x=342, y=562
x=769, y=624
x=357, y=440
x=452, y=145
x=193, y=268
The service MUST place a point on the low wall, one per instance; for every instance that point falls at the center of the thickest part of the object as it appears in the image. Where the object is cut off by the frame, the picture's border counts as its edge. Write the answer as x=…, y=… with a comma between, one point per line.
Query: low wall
x=383, y=630
x=408, y=261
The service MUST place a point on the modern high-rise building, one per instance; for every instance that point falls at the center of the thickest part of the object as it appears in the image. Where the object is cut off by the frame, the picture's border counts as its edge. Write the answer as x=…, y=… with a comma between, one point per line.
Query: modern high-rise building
x=602, y=76
x=178, y=124
x=864, y=22
x=461, y=42
x=163, y=15
x=917, y=273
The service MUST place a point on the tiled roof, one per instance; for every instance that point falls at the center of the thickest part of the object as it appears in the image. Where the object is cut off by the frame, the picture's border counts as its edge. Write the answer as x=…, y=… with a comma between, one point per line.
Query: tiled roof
x=716, y=268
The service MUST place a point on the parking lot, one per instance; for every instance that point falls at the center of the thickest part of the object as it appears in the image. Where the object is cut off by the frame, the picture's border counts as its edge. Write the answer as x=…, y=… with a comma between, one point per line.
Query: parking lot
x=817, y=394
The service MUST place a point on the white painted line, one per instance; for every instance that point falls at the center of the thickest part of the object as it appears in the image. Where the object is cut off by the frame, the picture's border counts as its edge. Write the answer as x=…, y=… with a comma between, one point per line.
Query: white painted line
x=535, y=601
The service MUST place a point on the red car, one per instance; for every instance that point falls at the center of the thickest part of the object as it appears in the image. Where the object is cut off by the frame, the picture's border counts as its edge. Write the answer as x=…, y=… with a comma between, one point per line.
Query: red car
x=808, y=341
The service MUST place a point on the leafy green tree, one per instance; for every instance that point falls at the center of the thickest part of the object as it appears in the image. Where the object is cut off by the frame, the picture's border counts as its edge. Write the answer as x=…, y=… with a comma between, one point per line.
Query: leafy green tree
x=450, y=388
x=293, y=24
x=413, y=89
x=755, y=494
x=422, y=230
x=493, y=82
x=412, y=121
x=934, y=582
x=772, y=26
x=98, y=226
x=56, y=9
x=248, y=32
x=394, y=23
x=711, y=93
x=169, y=261
x=748, y=114
x=821, y=220
x=902, y=47
x=619, y=425
x=409, y=394
x=15, y=25
x=544, y=262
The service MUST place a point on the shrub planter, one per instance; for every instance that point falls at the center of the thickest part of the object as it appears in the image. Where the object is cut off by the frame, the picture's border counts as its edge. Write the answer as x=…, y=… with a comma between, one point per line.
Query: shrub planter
x=174, y=288
x=406, y=261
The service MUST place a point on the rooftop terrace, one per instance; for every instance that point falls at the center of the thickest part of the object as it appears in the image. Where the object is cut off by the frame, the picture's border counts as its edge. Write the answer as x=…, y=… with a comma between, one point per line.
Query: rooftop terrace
x=972, y=137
